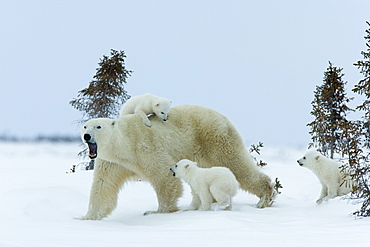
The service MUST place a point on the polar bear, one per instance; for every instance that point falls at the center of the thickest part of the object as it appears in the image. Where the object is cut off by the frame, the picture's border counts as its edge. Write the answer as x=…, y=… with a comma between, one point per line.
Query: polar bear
x=335, y=181
x=206, y=184
x=146, y=104
x=126, y=149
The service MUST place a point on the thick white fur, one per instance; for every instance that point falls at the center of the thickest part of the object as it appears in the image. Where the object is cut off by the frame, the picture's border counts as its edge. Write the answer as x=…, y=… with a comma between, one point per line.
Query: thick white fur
x=146, y=104
x=126, y=149
x=207, y=184
x=334, y=181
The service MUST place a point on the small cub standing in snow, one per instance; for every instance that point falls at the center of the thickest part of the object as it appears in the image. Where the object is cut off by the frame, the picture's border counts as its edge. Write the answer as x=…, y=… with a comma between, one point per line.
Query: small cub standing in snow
x=146, y=104
x=207, y=184
x=334, y=182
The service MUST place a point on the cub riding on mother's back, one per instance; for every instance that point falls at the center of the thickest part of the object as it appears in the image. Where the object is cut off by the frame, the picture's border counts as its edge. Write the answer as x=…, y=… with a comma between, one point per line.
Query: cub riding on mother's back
x=145, y=105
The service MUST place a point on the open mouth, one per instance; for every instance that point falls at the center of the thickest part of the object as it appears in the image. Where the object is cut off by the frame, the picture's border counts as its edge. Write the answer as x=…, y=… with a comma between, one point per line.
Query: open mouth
x=93, y=150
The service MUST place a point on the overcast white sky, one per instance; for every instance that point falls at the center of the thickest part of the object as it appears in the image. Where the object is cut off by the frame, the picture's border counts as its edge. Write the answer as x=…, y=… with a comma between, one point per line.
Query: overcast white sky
x=257, y=62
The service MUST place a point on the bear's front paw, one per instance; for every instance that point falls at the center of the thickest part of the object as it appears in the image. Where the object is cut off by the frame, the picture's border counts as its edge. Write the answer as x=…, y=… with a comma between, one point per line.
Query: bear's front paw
x=262, y=203
x=90, y=217
x=189, y=209
x=320, y=200
x=150, y=212
x=86, y=218
x=148, y=123
x=224, y=206
x=205, y=208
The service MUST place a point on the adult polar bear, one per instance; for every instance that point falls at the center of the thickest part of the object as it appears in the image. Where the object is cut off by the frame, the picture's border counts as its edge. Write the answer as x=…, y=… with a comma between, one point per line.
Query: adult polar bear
x=127, y=149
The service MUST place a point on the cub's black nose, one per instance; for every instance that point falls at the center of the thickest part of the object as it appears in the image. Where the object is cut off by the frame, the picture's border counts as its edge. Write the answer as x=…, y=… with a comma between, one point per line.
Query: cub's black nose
x=87, y=137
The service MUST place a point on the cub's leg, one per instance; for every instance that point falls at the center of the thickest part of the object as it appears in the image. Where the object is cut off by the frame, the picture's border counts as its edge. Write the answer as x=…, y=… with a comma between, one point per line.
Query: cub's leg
x=324, y=193
x=195, y=203
x=144, y=118
x=223, y=199
x=206, y=199
x=332, y=192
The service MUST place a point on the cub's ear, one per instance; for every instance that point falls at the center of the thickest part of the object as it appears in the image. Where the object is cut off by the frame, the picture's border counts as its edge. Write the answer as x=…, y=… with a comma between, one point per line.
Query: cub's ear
x=317, y=157
x=187, y=165
x=195, y=163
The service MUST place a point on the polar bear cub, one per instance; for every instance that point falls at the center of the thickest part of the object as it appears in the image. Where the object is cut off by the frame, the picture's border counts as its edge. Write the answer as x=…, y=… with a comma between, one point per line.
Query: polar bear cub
x=335, y=181
x=207, y=184
x=147, y=104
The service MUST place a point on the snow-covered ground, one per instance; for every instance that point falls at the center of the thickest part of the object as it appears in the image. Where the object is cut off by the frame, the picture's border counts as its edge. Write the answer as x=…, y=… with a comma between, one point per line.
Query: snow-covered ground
x=39, y=204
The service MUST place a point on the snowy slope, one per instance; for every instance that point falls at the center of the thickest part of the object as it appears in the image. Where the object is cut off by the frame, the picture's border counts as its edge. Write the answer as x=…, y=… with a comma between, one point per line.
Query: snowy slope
x=40, y=203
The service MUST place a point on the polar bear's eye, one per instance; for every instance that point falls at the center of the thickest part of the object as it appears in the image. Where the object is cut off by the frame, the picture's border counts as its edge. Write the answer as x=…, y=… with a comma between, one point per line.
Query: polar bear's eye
x=304, y=158
x=85, y=127
x=162, y=112
x=98, y=127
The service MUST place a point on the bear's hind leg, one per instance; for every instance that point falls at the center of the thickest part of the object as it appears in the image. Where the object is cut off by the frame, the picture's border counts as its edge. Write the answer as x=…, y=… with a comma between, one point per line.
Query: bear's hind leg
x=222, y=198
x=258, y=184
x=224, y=203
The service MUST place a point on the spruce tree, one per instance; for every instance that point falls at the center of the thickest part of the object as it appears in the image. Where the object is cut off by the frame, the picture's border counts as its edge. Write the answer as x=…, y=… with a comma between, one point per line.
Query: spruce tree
x=359, y=137
x=363, y=86
x=330, y=110
x=105, y=94
x=353, y=135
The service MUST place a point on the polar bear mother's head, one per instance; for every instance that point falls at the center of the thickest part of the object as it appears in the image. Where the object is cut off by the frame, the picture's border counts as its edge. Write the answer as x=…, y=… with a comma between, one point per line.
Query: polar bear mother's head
x=96, y=133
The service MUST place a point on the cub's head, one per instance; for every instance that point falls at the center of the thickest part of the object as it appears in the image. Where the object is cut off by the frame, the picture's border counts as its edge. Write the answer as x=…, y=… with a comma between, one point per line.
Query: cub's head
x=96, y=133
x=161, y=107
x=182, y=168
x=311, y=158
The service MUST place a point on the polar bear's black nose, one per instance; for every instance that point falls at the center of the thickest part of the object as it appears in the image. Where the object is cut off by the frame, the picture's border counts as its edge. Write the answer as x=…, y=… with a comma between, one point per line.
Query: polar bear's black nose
x=87, y=137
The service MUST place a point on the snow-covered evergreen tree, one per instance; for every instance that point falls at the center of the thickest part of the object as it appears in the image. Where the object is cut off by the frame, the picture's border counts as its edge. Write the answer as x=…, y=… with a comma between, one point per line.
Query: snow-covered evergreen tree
x=104, y=96
x=330, y=110
x=363, y=86
x=360, y=136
